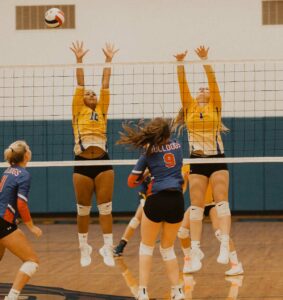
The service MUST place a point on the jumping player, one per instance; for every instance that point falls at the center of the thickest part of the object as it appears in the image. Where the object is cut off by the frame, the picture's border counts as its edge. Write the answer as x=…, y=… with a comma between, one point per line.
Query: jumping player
x=89, y=127
x=164, y=207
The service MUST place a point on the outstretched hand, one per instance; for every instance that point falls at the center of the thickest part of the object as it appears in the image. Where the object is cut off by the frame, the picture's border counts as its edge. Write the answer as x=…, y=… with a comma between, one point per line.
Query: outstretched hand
x=109, y=51
x=202, y=52
x=181, y=56
x=78, y=49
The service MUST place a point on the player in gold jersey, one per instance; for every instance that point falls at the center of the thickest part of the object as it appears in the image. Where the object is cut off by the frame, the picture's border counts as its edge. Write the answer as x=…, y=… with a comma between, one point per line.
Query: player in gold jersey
x=202, y=116
x=89, y=127
x=184, y=232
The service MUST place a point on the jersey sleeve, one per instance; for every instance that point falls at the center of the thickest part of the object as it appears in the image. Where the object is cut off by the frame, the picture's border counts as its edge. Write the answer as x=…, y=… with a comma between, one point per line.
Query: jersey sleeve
x=213, y=86
x=78, y=100
x=104, y=101
x=23, y=210
x=24, y=186
x=136, y=176
x=185, y=93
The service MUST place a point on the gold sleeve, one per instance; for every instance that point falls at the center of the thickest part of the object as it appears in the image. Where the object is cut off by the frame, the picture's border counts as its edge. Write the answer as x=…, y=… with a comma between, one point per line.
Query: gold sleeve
x=78, y=100
x=213, y=86
x=104, y=100
x=185, y=93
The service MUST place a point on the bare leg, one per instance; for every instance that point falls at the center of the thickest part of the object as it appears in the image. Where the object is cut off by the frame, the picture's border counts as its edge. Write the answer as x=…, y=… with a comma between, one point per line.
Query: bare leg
x=168, y=237
x=149, y=232
x=84, y=188
x=104, y=185
x=17, y=243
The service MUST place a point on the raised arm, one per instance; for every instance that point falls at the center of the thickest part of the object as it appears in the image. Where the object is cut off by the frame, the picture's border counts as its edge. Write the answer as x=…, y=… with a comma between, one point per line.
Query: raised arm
x=109, y=52
x=185, y=93
x=202, y=53
x=78, y=49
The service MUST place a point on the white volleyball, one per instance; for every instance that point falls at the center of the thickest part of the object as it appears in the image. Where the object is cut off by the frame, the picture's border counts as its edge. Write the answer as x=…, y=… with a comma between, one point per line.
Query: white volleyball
x=54, y=17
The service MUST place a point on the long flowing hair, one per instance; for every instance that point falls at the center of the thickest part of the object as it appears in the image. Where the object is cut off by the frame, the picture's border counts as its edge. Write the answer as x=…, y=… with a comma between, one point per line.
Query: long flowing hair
x=146, y=135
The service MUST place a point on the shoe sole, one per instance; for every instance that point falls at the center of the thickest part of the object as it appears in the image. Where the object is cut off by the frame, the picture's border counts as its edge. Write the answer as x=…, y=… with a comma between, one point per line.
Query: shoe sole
x=235, y=274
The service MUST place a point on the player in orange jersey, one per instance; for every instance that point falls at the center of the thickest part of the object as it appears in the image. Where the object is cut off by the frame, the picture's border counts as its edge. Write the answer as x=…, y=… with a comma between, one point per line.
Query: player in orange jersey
x=136, y=220
x=89, y=127
x=14, y=193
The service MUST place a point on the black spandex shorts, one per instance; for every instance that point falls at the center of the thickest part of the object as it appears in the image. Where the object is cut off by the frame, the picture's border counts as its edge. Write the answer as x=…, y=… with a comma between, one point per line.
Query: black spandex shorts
x=6, y=228
x=92, y=171
x=165, y=206
x=207, y=209
x=207, y=169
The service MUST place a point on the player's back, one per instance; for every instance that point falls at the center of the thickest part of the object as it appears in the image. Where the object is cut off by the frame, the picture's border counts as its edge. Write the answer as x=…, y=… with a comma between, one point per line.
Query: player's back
x=12, y=178
x=165, y=165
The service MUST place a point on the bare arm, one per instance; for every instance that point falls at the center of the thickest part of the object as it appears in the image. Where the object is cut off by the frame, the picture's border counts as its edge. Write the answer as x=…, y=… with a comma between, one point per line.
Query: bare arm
x=78, y=49
x=202, y=53
x=185, y=93
x=109, y=52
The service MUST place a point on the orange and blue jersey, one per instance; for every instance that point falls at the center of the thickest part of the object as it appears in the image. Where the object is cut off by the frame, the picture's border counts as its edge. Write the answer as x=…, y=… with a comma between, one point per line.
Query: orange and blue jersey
x=14, y=191
x=164, y=164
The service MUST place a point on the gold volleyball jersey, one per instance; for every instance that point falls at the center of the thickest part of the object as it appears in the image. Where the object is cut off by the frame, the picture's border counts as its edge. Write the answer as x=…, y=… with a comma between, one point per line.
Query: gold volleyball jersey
x=89, y=126
x=203, y=123
x=208, y=199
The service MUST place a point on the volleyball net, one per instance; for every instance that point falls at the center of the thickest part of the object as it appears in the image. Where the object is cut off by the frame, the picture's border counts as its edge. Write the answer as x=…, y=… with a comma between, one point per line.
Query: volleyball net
x=36, y=106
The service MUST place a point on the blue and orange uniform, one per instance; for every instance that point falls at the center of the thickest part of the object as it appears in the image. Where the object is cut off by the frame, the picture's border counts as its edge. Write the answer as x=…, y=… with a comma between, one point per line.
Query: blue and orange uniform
x=165, y=201
x=14, y=191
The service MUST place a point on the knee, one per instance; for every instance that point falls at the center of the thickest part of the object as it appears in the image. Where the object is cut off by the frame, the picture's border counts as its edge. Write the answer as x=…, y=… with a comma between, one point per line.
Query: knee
x=83, y=210
x=167, y=253
x=183, y=233
x=145, y=249
x=29, y=267
x=196, y=213
x=223, y=209
x=134, y=223
x=105, y=209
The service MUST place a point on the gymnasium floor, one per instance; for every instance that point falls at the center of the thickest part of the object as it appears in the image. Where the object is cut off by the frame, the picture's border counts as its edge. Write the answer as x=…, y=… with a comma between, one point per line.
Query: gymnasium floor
x=259, y=243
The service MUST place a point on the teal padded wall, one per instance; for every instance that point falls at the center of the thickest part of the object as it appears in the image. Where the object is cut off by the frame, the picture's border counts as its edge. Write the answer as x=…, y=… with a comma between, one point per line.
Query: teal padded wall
x=253, y=186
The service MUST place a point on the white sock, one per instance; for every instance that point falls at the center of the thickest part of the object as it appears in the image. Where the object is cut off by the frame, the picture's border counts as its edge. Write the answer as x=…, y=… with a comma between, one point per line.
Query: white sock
x=195, y=244
x=225, y=238
x=186, y=251
x=13, y=294
x=108, y=239
x=233, y=258
x=83, y=239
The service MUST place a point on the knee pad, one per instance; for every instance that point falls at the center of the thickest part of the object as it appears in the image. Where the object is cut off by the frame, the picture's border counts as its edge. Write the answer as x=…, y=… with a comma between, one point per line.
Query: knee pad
x=134, y=223
x=83, y=210
x=218, y=234
x=29, y=268
x=196, y=213
x=168, y=253
x=183, y=233
x=146, y=250
x=105, y=208
x=223, y=209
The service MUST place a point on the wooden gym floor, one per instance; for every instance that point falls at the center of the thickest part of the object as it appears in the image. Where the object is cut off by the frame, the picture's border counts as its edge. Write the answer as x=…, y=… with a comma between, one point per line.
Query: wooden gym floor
x=259, y=243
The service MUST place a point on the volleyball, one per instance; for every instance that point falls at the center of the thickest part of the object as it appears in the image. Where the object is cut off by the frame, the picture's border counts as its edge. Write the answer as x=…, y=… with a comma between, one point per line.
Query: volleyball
x=54, y=17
